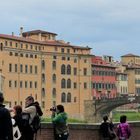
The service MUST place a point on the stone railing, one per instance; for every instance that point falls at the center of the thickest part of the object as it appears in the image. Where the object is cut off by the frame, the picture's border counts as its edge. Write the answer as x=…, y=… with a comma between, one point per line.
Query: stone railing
x=84, y=131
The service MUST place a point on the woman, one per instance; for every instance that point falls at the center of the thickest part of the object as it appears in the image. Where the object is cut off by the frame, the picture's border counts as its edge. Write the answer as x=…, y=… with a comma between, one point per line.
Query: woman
x=17, y=110
x=59, y=119
x=123, y=129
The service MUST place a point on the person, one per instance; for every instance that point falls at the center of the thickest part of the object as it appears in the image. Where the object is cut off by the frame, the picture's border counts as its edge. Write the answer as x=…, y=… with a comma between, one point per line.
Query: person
x=59, y=120
x=123, y=129
x=17, y=110
x=32, y=108
x=6, y=131
x=107, y=129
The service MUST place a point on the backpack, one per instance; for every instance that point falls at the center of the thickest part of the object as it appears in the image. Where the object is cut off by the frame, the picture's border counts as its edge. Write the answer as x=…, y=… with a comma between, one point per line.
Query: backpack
x=25, y=117
x=36, y=123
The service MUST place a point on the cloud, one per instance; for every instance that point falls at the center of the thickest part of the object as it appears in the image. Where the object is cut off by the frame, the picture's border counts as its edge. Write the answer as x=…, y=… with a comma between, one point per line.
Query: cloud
x=101, y=24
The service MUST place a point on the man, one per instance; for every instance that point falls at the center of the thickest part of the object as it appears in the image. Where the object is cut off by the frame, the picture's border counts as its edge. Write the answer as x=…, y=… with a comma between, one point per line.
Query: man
x=59, y=120
x=6, y=131
x=32, y=108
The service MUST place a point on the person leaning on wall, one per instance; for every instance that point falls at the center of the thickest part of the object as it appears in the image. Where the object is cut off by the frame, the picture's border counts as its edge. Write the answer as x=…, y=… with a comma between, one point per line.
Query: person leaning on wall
x=59, y=120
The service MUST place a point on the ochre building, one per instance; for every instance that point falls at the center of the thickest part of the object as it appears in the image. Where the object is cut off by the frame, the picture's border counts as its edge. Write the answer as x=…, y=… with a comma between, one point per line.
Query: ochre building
x=52, y=71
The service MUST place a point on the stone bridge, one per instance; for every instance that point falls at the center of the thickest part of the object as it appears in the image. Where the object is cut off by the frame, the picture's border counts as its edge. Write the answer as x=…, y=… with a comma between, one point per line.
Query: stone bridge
x=95, y=109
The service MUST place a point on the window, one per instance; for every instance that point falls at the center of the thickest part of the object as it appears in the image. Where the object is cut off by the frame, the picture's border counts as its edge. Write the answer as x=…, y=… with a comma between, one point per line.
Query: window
x=75, y=71
x=21, y=55
x=25, y=84
x=63, y=83
x=85, y=85
x=85, y=71
x=6, y=43
x=26, y=55
x=31, y=69
x=10, y=67
x=75, y=99
x=26, y=46
x=15, y=67
x=1, y=46
x=69, y=97
x=68, y=50
x=75, y=85
x=68, y=69
x=54, y=57
x=75, y=60
x=31, y=47
x=16, y=54
x=26, y=68
x=30, y=84
x=54, y=65
x=10, y=43
x=54, y=78
x=63, y=69
x=43, y=78
x=63, y=58
x=35, y=84
x=31, y=56
x=68, y=83
x=16, y=45
x=21, y=68
x=15, y=83
x=62, y=50
x=68, y=58
x=20, y=84
x=54, y=93
x=21, y=45
x=43, y=92
x=63, y=97
x=35, y=69
x=10, y=53
x=43, y=64
x=10, y=83
x=43, y=104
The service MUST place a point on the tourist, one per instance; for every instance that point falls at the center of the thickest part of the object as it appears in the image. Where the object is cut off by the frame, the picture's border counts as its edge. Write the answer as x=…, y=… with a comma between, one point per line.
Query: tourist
x=6, y=131
x=123, y=129
x=107, y=129
x=59, y=120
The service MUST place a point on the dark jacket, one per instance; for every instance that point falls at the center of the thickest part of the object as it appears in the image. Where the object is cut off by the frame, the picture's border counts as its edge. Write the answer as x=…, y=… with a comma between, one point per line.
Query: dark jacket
x=104, y=129
x=6, y=131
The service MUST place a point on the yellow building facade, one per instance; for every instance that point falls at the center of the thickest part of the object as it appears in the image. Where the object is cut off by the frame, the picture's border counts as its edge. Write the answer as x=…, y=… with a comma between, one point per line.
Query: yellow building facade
x=52, y=71
x=132, y=68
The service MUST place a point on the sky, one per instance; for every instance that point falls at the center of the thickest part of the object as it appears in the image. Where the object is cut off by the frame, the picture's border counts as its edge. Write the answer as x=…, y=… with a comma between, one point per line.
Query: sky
x=109, y=27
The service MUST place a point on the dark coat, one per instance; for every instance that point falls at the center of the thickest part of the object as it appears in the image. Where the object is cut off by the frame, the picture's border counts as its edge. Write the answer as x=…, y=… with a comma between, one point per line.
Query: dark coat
x=6, y=131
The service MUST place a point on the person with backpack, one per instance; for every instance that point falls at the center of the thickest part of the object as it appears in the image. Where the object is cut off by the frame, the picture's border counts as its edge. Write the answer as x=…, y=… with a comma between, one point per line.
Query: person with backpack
x=59, y=120
x=107, y=129
x=123, y=129
x=6, y=130
x=30, y=118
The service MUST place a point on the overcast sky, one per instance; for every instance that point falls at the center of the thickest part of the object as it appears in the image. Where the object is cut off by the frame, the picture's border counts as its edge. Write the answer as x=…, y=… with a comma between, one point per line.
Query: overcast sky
x=110, y=27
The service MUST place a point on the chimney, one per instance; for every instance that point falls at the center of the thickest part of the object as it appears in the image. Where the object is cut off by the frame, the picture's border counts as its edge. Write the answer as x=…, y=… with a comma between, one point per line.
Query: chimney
x=12, y=33
x=21, y=31
x=39, y=36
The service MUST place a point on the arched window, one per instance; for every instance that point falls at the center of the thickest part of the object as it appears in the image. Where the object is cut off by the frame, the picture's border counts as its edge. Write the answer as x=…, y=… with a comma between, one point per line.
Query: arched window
x=63, y=69
x=54, y=93
x=54, y=65
x=54, y=78
x=63, y=97
x=63, y=83
x=68, y=83
x=1, y=46
x=43, y=78
x=69, y=97
x=43, y=64
x=43, y=92
x=68, y=69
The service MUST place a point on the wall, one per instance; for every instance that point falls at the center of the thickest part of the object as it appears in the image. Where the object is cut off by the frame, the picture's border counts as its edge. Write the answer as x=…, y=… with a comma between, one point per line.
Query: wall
x=84, y=131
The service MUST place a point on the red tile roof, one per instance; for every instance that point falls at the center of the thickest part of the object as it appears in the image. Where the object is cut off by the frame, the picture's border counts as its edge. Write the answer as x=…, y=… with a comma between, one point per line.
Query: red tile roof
x=130, y=55
x=36, y=32
x=51, y=43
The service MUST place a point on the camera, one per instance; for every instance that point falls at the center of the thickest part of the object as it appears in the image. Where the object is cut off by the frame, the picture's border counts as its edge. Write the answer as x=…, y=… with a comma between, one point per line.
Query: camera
x=53, y=109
